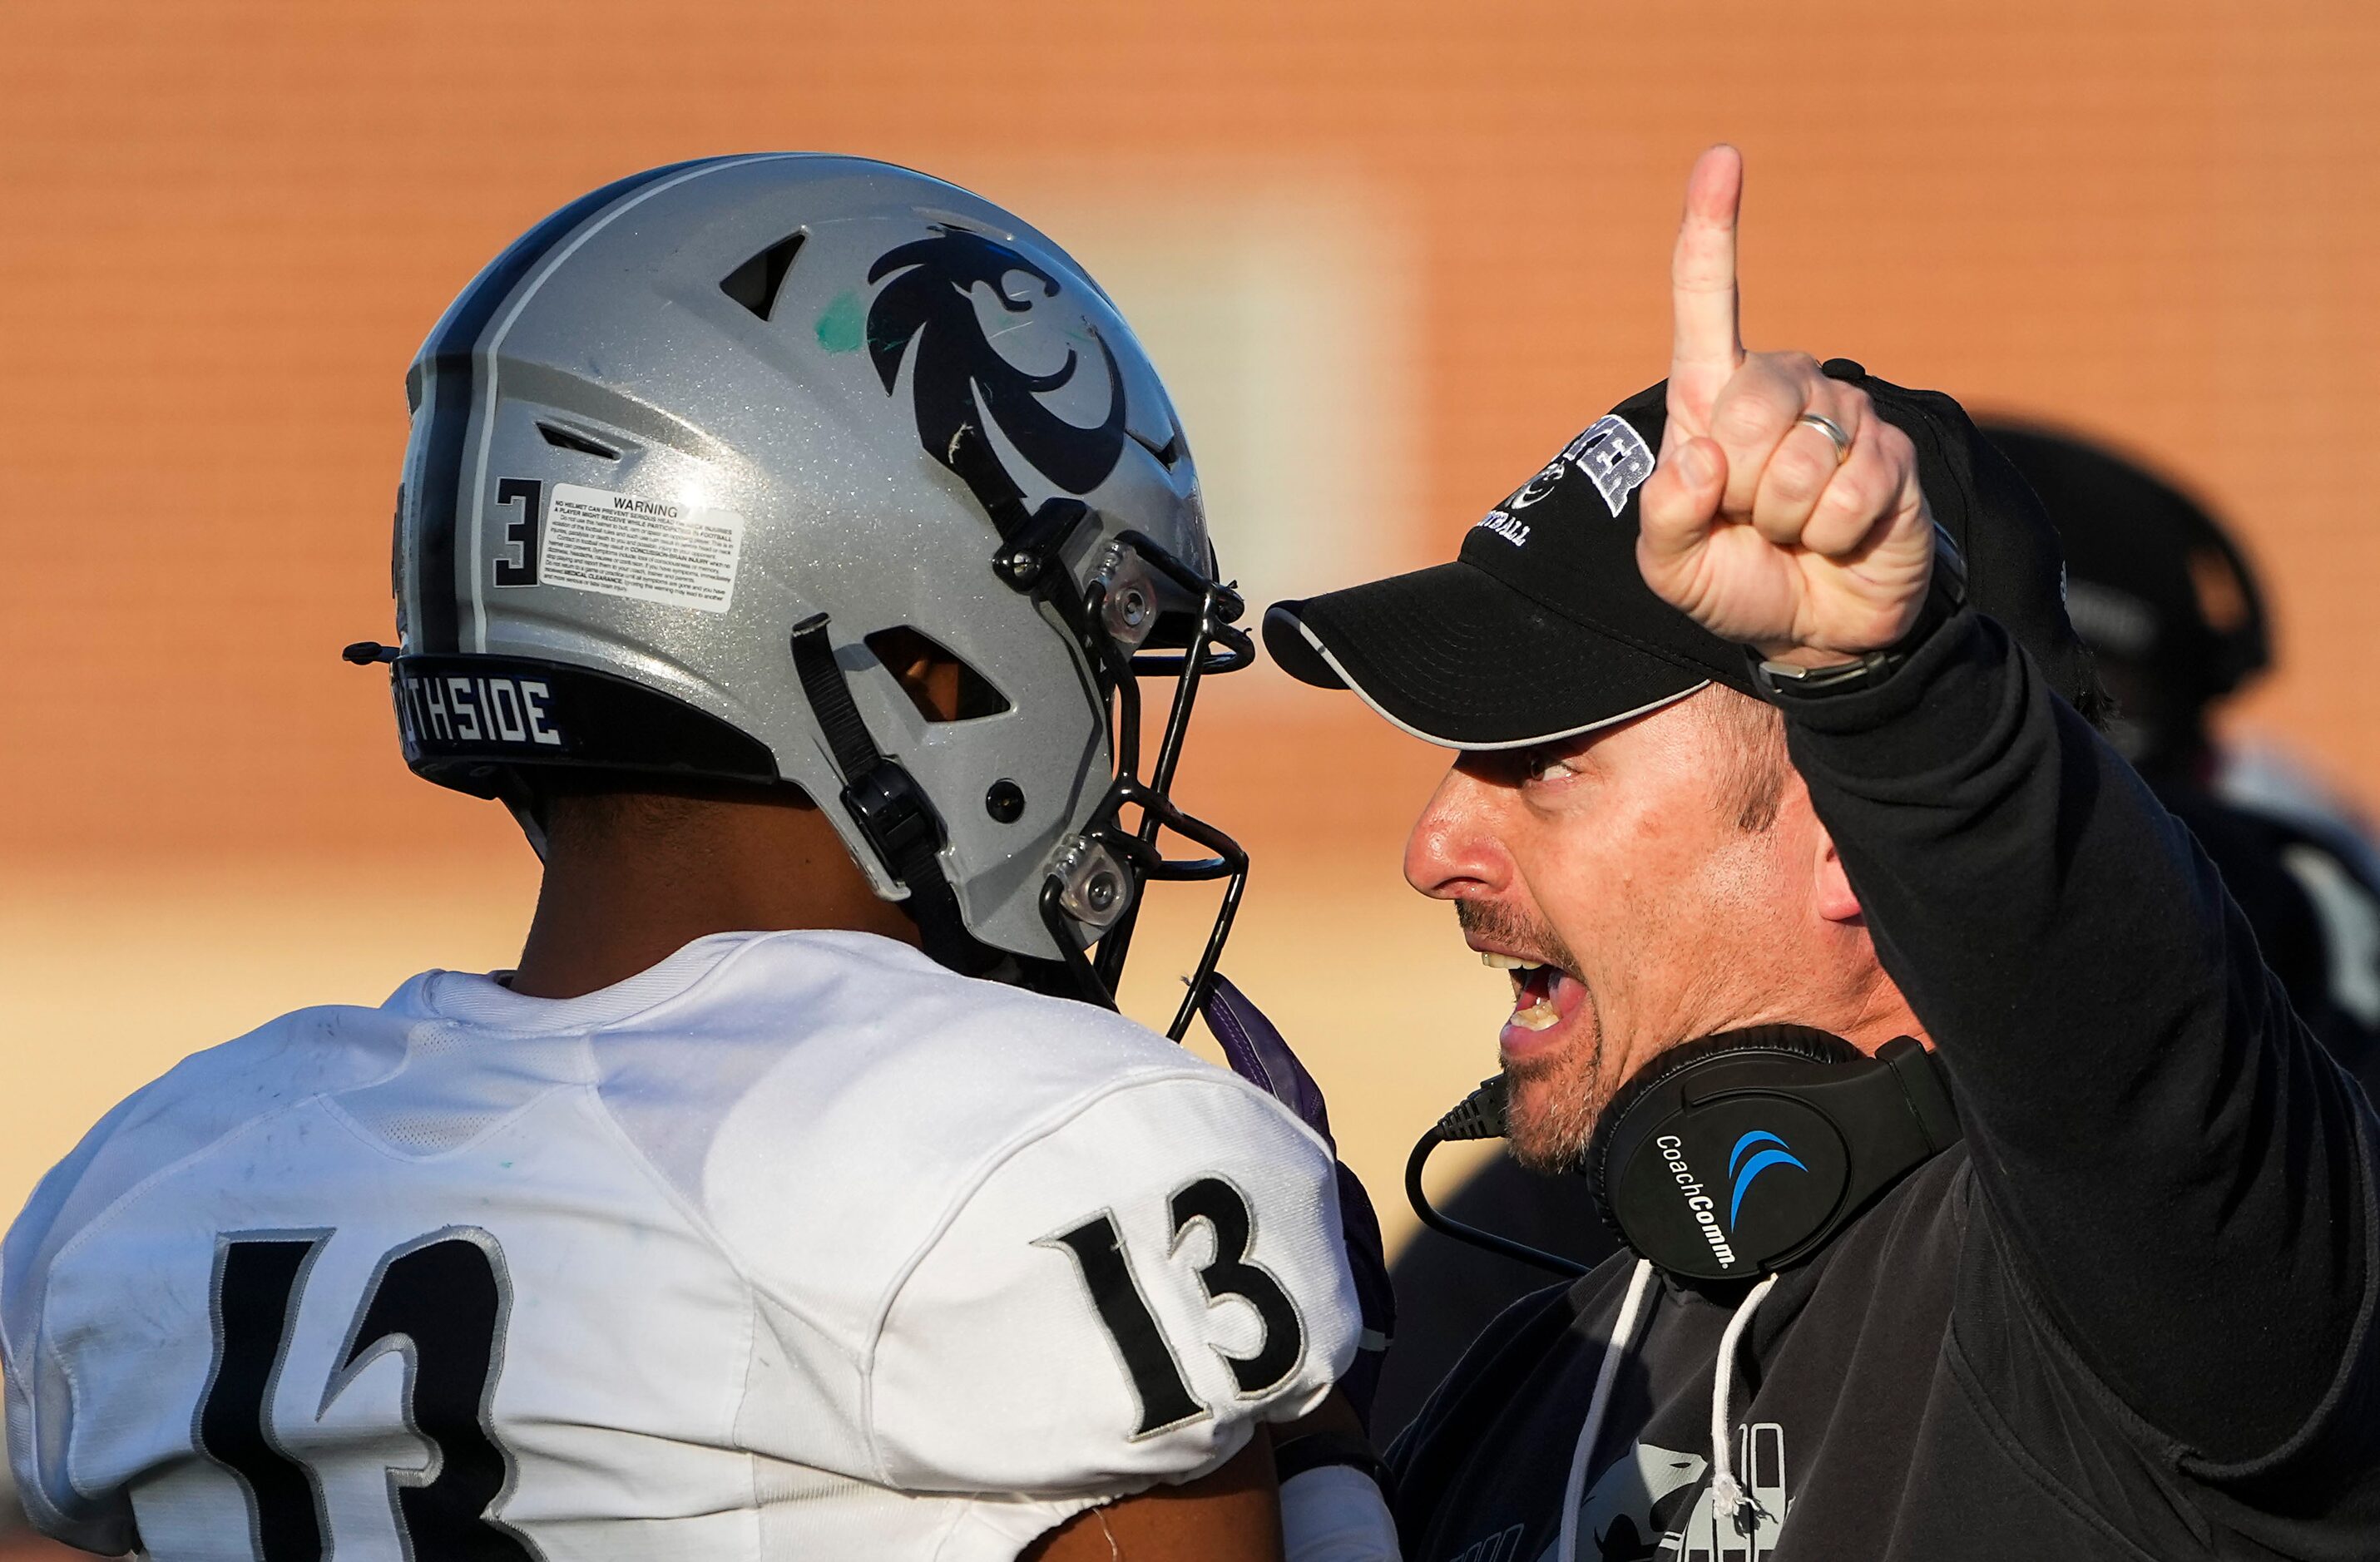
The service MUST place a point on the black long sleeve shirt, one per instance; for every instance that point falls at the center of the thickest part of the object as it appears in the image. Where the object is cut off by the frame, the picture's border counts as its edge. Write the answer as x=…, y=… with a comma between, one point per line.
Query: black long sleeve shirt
x=2130, y=1316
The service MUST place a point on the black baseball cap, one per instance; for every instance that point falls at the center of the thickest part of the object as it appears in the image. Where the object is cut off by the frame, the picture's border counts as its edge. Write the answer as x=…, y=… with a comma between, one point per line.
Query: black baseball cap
x=1542, y=628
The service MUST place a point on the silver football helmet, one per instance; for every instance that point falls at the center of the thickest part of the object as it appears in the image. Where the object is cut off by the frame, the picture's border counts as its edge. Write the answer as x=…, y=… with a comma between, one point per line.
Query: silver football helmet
x=704, y=451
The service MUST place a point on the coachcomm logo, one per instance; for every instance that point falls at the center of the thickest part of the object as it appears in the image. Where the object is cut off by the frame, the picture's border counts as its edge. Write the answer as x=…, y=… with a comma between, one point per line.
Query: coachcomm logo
x=1747, y=1161
x=1754, y=1154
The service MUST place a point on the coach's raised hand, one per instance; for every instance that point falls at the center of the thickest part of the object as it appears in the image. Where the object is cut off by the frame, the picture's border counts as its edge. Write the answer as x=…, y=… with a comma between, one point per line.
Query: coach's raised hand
x=1755, y=524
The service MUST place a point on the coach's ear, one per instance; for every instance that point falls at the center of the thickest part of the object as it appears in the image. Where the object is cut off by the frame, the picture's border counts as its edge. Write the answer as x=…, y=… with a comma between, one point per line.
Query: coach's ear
x=1836, y=902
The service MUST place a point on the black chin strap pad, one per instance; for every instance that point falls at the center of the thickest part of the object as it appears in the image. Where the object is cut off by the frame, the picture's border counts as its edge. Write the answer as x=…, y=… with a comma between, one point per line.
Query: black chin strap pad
x=887, y=804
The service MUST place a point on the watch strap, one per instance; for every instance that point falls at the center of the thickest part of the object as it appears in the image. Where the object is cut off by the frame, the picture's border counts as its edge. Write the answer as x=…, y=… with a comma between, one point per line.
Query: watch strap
x=1946, y=593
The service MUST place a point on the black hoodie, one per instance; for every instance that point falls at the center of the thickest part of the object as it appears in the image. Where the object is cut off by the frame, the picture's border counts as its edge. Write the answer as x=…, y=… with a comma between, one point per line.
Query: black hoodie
x=2130, y=1316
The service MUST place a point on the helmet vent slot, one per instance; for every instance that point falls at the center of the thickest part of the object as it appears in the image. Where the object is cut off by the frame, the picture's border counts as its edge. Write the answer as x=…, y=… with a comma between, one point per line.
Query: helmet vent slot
x=563, y=437
x=942, y=685
x=755, y=282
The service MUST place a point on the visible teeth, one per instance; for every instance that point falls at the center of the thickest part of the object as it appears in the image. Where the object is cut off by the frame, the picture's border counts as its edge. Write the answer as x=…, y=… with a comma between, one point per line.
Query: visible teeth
x=1495, y=961
x=1538, y=1016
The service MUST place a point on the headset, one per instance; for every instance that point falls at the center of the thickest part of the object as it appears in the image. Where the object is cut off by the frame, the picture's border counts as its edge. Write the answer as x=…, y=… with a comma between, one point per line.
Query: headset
x=1734, y=1155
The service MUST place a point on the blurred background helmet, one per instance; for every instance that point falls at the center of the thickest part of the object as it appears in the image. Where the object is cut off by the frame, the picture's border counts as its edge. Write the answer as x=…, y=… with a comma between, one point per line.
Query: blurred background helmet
x=2178, y=622
x=702, y=460
x=2155, y=587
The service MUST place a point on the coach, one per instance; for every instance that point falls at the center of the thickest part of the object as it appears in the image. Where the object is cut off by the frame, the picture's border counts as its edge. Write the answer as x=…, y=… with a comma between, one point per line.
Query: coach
x=2089, y=1273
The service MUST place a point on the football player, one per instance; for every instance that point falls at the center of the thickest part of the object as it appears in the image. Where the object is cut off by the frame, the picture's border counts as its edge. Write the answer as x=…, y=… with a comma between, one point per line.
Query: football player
x=783, y=539
x=2177, y=622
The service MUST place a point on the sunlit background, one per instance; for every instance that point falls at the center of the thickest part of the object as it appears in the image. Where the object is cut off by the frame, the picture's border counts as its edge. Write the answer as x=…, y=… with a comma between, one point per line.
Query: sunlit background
x=1390, y=255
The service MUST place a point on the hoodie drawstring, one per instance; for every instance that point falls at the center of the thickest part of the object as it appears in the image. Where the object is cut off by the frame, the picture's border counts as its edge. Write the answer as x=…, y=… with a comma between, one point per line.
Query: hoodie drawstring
x=1615, y=1350
x=1729, y=1499
x=1728, y=1496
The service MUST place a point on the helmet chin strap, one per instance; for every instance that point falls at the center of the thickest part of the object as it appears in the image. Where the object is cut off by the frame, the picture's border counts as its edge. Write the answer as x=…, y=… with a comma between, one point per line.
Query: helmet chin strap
x=888, y=806
x=526, y=816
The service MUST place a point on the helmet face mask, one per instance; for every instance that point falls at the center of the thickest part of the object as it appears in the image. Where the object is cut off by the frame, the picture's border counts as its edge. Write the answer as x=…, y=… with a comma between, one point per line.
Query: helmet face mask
x=686, y=452
x=1096, y=883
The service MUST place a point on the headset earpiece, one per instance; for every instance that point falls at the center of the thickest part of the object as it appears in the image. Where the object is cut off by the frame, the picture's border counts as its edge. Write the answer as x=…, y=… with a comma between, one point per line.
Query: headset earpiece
x=1729, y=1157
x=1801, y=1042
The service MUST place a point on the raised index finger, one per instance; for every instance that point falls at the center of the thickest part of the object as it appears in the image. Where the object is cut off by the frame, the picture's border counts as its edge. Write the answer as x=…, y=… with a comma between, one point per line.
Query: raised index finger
x=1707, y=345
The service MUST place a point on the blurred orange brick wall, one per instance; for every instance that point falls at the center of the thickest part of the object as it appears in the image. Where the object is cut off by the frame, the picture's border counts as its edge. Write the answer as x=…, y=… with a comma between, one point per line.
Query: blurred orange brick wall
x=226, y=226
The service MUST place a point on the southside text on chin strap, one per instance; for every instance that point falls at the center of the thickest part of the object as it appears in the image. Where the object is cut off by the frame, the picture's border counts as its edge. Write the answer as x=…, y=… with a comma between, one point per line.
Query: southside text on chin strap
x=1731, y=1156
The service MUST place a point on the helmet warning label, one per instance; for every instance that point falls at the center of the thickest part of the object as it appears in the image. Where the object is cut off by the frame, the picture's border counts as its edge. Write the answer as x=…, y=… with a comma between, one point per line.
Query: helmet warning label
x=653, y=549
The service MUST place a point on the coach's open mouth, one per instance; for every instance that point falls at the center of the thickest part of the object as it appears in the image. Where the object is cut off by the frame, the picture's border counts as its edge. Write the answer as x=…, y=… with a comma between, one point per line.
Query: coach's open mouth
x=1543, y=998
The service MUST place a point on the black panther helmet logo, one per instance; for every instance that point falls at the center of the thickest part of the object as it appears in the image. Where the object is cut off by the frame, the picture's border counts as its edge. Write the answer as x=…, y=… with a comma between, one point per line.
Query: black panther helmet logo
x=962, y=381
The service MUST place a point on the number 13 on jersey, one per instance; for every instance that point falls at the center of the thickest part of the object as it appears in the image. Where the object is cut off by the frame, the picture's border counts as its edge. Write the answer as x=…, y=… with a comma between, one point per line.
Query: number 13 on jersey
x=1149, y=1360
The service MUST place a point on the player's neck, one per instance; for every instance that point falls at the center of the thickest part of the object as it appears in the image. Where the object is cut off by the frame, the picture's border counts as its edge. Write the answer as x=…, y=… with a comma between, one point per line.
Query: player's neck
x=630, y=881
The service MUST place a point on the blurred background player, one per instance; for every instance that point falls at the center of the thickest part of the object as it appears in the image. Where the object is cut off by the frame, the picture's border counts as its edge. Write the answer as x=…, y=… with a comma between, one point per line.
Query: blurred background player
x=783, y=539
x=2177, y=623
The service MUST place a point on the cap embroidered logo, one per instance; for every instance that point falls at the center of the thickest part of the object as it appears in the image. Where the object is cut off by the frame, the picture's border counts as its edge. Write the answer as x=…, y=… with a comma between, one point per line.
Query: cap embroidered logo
x=1614, y=455
x=1503, y=525
x=1537, y=488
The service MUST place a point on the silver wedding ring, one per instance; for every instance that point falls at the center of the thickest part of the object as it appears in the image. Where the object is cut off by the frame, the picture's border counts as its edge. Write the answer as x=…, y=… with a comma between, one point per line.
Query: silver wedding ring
x=1833, y=431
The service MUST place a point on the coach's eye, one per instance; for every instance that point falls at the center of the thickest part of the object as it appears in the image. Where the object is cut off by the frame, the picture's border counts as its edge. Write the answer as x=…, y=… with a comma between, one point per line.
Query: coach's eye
x=1545, y=764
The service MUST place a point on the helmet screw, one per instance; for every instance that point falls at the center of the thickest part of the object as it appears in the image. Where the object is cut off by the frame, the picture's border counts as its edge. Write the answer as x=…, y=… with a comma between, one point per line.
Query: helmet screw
x=1100, y=893
x=1004, y=801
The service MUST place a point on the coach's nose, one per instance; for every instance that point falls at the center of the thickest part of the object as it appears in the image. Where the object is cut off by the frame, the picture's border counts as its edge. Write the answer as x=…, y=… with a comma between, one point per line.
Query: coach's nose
x=1453, y=854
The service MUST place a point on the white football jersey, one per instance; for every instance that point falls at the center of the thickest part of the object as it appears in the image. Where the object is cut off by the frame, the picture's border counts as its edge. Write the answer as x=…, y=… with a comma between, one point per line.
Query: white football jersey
x=795, y=1245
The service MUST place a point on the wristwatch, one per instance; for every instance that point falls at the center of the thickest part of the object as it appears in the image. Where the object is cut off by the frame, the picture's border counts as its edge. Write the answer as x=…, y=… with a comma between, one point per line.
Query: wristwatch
x=1946, y=593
